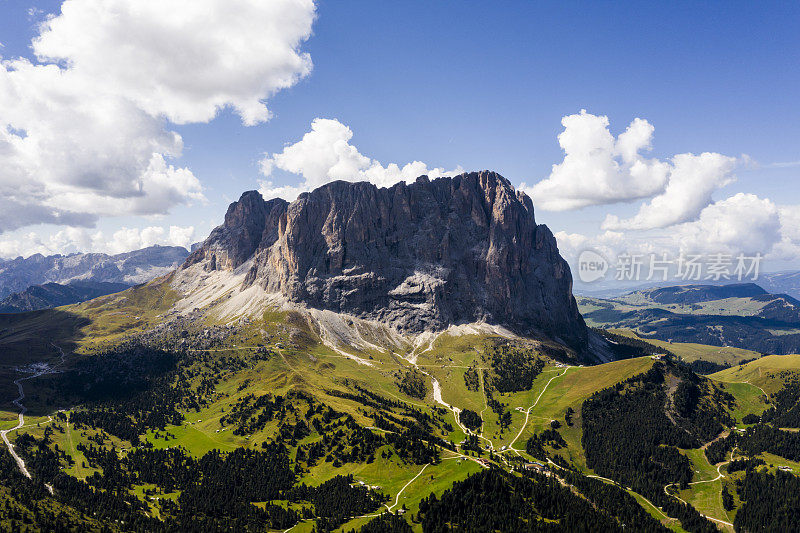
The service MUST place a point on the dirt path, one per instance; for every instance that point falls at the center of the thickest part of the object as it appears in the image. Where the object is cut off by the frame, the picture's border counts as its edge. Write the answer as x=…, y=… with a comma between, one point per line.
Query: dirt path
x=412, y=480
x=759, y=388
x=400, y=492
x=437, y=397
x=5, y=432
x=528, y=412
x=720, y=475
x=722, y=435
x=38, y=369
x=628, y=489
x=751, y=384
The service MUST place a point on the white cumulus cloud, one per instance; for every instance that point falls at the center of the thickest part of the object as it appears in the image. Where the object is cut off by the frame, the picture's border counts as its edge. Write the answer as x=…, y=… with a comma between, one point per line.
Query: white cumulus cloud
x=692, y=181
x=84, y=129
x=742, y=223
x=570, y=245
x=325, y=154
x=599, y=168
x=184, y=59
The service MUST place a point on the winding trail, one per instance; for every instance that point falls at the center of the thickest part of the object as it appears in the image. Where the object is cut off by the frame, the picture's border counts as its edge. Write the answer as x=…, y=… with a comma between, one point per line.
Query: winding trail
x=751, y=384
x=631, y=491
x=397, y=498
x=437, y=397
x=5, y=432
x=40, y=369
x=759, y=388
x=720, y=475
x=528, y=412
x=21, y=422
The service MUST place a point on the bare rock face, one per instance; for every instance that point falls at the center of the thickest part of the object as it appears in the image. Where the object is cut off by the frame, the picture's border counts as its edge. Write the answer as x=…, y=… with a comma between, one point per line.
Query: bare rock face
x=249, y=223
x=418, y=256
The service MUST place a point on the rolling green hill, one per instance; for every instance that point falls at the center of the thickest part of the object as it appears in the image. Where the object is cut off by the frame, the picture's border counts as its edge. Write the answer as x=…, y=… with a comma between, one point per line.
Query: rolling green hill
x=690, y=351
x=768, y=373
x=139, y=387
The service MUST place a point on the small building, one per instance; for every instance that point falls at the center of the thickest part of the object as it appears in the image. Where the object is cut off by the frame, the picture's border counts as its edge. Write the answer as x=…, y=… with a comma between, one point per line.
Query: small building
x=536, y=467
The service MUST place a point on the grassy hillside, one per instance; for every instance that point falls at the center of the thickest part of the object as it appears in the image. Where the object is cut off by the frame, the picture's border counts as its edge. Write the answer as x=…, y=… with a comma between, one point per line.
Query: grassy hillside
x=688, y=351
x=196, y=385
x=768, y=373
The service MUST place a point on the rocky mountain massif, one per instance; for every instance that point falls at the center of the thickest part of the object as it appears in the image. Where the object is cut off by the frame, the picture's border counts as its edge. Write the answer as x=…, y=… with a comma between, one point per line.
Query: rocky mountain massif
x=130, y=268
x=417, y=257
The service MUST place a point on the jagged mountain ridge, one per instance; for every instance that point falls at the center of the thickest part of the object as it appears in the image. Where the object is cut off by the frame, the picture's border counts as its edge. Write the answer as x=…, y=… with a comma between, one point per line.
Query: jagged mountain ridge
x=417, y=257
x=130, y=268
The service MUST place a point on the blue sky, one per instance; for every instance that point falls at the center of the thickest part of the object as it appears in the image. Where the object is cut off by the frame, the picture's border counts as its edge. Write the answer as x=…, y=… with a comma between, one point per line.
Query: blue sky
x=485, y=86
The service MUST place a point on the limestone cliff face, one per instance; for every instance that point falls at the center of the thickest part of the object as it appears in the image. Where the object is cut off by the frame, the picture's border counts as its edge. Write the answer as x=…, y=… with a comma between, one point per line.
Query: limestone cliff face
x=249, y=223
x=418, y=256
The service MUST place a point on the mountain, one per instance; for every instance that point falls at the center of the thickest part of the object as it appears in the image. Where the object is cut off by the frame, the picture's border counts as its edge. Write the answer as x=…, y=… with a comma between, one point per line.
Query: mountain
x=130, y=268
x=51, y=294
x=316, y=362
x=416, y=257
x=683, y=294
x=741, y=315
x=787, y=282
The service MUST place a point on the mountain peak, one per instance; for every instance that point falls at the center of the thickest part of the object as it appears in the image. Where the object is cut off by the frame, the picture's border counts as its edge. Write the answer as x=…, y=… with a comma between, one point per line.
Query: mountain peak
x=418, y=256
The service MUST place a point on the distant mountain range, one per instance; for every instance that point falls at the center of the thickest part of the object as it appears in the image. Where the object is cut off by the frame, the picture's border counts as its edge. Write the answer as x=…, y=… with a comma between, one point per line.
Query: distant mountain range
x=39, y=281
x=52, y=294
x=743, y=315
x=784, y=282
